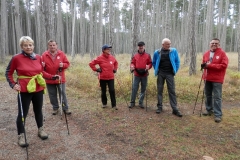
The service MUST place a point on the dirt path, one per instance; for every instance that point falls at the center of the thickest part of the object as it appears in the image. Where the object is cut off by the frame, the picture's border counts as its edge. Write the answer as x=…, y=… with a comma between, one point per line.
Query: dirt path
x=60, y=145
x=105, y=134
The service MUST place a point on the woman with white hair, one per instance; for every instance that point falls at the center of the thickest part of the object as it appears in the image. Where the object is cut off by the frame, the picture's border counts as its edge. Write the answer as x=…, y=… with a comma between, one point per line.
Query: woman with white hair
x=30, y=86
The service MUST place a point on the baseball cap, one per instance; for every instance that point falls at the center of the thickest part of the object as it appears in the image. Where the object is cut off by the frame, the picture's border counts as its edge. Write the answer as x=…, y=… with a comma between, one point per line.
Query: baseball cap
x=141, y=43
x=105, y=46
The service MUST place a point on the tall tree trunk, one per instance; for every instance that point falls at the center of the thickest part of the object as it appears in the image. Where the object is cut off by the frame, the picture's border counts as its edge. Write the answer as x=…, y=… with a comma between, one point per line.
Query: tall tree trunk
x=100, y=27
x=91, y=30
x=191, y=40
x=111, y=25
x=3, y=29
x=187, y=34
x=12, y=41
x=18, y=28
x=28, y=14
x=60, y=33
x=135, y=26
x=82, y=29
x=37, y=28
x=238, y=42
x=73, y=30
x=220, y=23
x=48, y=14
x=209, y=24
x=224, y=32
x=42, y=25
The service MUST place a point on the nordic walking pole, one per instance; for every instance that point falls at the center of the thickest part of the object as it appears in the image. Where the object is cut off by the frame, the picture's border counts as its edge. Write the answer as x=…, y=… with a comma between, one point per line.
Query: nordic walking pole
x=146, y=98
x=61, y=95
x=61, y=99
x=198, y=91
x=44, y=109
x=202, y=99
x=23, y=121
x=132, y=86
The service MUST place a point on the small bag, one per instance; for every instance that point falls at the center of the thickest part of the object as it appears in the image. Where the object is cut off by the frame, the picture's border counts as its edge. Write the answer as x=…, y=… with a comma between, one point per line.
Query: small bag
x=141, y=71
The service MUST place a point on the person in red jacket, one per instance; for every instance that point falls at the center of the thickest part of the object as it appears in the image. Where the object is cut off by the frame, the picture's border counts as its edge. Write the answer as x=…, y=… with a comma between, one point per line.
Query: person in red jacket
x=30, y=86
x=55, y=62
x=107, y=66
x=214, y=63
x=140, y=64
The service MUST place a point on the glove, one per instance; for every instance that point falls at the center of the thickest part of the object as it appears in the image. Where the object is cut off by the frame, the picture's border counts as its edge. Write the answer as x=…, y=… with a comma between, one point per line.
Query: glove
x=114, y=71
x=55, y=77
x=99, y=70
x=203, y=65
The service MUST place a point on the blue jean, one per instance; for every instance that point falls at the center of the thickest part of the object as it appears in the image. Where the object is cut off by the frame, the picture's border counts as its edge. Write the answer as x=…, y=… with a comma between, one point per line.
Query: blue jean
x=135, y=87
x=171, y=90
x=52, y=92
x=213, y=94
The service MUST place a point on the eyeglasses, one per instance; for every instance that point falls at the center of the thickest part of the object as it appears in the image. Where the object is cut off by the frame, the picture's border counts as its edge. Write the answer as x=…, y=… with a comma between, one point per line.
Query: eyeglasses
x=214, y=43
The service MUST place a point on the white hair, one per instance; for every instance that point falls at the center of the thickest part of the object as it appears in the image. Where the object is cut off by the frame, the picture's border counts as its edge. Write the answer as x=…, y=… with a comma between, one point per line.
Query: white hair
x=165, y=40
x=24, y=39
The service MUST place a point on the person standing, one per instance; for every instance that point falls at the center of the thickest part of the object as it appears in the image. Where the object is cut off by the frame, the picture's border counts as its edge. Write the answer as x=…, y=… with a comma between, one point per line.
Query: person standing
x=166, y=63
x=107, y=66
x=30, y=86
x=55, y=62
x=140, y=64
x=214, y=63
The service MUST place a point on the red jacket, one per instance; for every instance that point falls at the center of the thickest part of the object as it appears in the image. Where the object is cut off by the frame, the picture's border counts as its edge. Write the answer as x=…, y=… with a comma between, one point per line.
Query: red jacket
x=25, y=66
x=216, y=70
x=139, y=61
x=52, y=67
x=107, y=63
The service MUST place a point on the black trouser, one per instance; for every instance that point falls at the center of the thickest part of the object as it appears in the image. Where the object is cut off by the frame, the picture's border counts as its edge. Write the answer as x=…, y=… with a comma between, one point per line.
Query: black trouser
x=37, y=100
x=110, y=83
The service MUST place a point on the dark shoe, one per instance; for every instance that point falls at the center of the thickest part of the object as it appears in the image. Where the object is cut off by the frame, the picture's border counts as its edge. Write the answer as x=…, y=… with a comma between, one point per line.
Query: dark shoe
x=67, y=112
x=21, y=140
x=141, y=106
x=159, y=110
x=115, y=108
x=217, y=119
x=55, y=111
x=177, y=113
x=131, y=105
x=207, y=113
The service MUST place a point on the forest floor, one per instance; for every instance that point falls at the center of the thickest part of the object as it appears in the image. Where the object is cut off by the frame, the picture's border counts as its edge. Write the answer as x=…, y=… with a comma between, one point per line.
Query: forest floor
x=106, y=134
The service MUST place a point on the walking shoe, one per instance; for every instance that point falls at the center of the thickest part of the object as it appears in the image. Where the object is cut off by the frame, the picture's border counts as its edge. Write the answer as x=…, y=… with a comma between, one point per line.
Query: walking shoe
x=114, y=107
x=207, y=113
x=21, y=140
x=141, y=106
x=131, y=105
x=55, y=111
x=43, y=135
x=217, y=119
x=67, y=112
x=177, y=113
x=104, y=106
x=159, y=110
